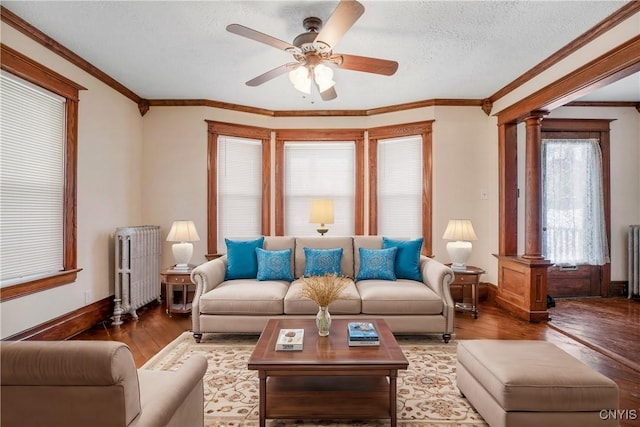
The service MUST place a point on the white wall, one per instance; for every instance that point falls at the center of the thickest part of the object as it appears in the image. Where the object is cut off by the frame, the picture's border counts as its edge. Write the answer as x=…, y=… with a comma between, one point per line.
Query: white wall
x=109, y=188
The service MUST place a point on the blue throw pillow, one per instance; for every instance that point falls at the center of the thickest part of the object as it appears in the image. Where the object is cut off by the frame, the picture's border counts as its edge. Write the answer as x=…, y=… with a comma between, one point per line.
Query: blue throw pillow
x=274, y=265
x=242, y=261
x=318, y=262
x=407, y=263
x=377, y=264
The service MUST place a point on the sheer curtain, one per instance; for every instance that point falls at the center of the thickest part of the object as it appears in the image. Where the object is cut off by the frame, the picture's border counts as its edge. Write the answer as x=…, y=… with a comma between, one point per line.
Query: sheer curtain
x=573, y=202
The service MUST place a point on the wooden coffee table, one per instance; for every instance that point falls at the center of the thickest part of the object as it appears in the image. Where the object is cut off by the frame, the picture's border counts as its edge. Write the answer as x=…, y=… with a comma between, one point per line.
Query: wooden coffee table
x=327, y=379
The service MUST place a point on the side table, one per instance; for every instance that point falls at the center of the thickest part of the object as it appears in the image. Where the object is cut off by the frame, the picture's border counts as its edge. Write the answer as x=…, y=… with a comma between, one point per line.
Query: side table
x=470, y=276
x=178, y=278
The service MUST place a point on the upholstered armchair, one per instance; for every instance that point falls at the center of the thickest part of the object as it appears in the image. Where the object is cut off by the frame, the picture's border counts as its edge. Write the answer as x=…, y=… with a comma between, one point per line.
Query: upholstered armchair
x=95, y=383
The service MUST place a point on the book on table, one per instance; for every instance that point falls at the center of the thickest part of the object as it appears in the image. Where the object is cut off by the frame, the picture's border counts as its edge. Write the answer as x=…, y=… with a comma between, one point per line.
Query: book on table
x=290, y=340
x=362, y=334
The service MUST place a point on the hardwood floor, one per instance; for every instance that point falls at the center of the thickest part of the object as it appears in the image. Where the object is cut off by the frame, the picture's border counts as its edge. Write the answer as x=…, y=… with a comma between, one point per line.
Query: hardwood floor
x=604, y=333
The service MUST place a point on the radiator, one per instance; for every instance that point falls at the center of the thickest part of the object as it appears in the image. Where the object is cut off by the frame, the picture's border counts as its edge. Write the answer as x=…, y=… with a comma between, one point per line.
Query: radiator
x=634, y=261
x=137, y=272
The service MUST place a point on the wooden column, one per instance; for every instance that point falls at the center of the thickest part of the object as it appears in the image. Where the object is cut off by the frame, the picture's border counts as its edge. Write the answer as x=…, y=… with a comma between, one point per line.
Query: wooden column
x=522, y=280
x=533, y=201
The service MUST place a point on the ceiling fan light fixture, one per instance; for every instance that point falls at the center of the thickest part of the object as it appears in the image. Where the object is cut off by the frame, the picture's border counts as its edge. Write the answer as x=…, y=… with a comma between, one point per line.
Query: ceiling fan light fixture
x=323, y=76
x=301, y=79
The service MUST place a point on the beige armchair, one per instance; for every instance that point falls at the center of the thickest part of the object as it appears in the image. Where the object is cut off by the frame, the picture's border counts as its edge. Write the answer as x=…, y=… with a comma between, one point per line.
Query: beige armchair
x=95, y=383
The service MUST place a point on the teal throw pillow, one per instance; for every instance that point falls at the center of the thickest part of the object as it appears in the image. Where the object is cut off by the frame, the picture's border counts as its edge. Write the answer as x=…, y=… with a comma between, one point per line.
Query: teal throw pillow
x=377, y=264
x=242, y=261
x=407, y=263
x=274, y=265
x=318, y=262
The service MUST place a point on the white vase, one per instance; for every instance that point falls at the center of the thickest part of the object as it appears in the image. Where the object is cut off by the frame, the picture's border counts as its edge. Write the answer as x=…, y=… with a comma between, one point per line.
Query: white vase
x=323, y=321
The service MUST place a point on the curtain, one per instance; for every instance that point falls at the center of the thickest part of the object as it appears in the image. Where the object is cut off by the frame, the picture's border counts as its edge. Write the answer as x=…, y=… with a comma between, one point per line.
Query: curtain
x=573, y=202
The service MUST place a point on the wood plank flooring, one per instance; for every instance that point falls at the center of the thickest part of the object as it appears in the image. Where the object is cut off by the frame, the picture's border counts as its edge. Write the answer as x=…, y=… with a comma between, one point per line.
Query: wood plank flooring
x=604, y=333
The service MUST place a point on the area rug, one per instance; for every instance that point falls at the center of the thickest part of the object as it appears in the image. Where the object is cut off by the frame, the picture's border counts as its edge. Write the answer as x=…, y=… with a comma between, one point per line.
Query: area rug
x=427, y=392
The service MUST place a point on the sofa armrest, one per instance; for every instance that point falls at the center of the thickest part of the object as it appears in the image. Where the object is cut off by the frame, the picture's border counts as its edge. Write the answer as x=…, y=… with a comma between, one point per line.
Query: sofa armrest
x=439, y=277
x=163, y=393
x=206, y=277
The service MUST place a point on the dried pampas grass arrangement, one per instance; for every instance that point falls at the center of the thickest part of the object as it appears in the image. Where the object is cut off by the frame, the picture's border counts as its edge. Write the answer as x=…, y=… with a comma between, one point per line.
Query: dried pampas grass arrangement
x=323, y=289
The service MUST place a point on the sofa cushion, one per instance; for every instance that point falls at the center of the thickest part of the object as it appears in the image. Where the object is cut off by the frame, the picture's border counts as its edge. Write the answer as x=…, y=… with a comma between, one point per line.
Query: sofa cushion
x=274, y=265
x=279, y=243
x=319, y=262
x=242, y=262
x=367, y=242
x=325, y=242
x=408, y=257
x=377, y=264
x=245, y=297
x=348, y=303
x=399, y=297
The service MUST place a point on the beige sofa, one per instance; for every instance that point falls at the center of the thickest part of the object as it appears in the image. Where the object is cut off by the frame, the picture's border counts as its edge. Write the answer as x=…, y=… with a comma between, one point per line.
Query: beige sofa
x=95, y=383
x=245, y=305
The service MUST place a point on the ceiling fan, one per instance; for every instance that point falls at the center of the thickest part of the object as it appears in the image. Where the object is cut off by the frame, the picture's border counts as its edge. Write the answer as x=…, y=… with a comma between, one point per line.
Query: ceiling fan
x=313, y=48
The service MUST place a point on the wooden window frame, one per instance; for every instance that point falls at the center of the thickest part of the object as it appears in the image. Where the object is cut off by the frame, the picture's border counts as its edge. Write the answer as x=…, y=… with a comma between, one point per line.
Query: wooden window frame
x=424, y=129
x=216, y=129
x=19, y=65
x=320, y=135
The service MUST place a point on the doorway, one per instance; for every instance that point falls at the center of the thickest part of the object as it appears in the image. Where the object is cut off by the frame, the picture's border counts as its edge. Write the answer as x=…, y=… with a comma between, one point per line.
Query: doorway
x=576, y=206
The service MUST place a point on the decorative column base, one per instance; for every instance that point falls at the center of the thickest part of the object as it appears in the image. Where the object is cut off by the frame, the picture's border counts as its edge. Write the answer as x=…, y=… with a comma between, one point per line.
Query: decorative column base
x=522, y=287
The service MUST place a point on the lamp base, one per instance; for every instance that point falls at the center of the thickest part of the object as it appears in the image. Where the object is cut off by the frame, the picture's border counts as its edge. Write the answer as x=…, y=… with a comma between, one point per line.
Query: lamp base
x=322, y=231
x=459, y=252
x=182, y=253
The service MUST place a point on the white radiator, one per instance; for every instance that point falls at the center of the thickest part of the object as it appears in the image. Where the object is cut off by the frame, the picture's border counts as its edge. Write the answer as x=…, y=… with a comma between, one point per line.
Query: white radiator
x=634, y=261
x=137, y=278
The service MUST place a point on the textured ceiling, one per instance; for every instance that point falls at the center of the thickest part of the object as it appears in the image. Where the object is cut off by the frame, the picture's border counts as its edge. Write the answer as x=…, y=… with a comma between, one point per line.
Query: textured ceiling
x=446, y=49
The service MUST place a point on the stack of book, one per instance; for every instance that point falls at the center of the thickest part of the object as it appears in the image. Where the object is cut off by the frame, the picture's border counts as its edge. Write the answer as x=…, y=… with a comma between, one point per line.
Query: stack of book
x=290, y=340
x=362, y=333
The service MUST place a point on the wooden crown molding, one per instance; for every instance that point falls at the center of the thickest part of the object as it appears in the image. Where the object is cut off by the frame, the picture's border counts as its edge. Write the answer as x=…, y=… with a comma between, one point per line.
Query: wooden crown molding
x=486, y=104
x=614, y=65
x=32, y=32
x=600, y=28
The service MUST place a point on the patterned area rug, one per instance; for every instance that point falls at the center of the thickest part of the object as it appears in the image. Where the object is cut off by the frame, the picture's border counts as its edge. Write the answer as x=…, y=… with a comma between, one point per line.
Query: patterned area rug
x=427, y=392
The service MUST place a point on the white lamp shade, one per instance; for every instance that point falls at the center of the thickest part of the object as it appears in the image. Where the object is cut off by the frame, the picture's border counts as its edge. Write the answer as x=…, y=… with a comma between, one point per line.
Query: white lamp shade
x=323, y=76
x=183, y=231
x=321, y=211
x=461, y=231
x=300, y=78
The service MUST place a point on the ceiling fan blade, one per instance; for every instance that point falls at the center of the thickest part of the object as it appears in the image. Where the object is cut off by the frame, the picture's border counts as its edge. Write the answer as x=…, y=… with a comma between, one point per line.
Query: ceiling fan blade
x=365, y=63
x=243, y=31
x=329, y=94
x=272, y=74
x=343, y=17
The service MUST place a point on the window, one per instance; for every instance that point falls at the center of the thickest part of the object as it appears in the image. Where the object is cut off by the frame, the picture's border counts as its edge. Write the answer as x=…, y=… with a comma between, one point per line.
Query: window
x=573, y=202
x=400, y=187
x=239, y=188
x=319, y=164
x=400, y=183
x=239, y=177
x=38, y=191
x=319, y=171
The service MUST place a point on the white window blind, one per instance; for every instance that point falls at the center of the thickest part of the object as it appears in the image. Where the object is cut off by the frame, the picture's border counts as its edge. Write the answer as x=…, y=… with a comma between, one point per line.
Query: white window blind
x=319, y=171
x=32, y=142
x=400, y=187
x=239, y=188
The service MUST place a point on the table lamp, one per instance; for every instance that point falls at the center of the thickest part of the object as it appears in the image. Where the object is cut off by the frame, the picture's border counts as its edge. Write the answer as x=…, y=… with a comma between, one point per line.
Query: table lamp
x=183, y=232
x=321, y=213
x=460, y=231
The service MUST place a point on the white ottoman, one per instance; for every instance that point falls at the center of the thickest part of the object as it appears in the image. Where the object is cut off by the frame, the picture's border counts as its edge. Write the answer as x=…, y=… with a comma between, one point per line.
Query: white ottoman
x=523, y=383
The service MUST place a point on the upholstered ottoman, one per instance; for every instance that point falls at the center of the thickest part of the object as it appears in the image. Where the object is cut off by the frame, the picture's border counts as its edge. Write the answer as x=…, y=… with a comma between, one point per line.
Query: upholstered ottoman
x=532, y=383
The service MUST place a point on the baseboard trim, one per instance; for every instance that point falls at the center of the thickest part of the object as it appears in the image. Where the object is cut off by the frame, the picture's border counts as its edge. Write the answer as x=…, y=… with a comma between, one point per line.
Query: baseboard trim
x=68, y=325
